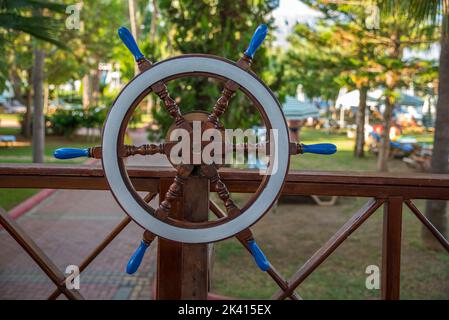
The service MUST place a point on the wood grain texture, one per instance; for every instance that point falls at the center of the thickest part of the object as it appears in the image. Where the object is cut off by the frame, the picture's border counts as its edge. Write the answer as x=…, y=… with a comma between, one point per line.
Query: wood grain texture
x=329, y=247
x=182, y=271
x=391, y=249
x=39, y=256
x=357, y=184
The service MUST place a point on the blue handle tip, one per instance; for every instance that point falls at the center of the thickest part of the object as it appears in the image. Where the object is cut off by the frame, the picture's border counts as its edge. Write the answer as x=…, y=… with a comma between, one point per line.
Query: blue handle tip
x=319, y=148
x=256, y=40
x=261, y=261
x=70, y=153
x=136, y=259
x=130, y=42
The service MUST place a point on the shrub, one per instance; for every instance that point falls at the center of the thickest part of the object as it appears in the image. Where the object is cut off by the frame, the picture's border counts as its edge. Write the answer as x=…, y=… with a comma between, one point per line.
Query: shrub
x=65, y=122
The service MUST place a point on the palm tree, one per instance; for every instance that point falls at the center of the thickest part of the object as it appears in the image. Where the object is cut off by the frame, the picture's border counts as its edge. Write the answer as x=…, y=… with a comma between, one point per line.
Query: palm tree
x=14, y=15
x=433, y=12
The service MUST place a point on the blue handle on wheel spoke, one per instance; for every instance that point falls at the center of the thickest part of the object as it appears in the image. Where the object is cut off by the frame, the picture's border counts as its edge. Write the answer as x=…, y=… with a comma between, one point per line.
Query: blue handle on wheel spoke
x=319, y=148
x=261, y=261
x=256, y=40
x=130, y=42
x=70, y=153
x=136, y=259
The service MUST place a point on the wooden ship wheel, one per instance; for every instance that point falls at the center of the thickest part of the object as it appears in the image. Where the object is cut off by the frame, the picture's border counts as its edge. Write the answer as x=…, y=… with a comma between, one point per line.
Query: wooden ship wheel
x=235, y=220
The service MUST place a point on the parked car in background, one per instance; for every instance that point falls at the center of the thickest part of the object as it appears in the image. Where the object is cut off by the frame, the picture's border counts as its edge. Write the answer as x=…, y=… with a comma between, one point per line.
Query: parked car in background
x=11, y=106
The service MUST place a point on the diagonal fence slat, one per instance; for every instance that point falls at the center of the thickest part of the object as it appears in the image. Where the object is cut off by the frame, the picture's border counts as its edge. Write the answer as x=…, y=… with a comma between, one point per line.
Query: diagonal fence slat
x=36, y=253
x=111, y=236
x=329, y=247
x=274, y=274
x=441, y=239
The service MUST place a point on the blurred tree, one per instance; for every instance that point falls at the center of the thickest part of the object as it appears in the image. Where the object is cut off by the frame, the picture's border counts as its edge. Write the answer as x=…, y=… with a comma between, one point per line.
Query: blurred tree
x=19, y=62
x=433, y=13
x=29, y=17
x=38, y=142
x=16, y=18
x=221, y=28
x=134, y=24
x=327, y=56
x=368, y=54
x=96, y=41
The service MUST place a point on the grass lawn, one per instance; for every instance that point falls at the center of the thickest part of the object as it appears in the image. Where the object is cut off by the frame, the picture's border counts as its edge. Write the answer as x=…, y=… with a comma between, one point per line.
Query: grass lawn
x=9, y=116
x=343, y=160
x=290, y=235
x=22, y=154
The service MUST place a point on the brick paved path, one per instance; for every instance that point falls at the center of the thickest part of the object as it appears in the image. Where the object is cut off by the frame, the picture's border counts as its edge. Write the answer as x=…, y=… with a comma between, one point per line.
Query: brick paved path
x=67, y=226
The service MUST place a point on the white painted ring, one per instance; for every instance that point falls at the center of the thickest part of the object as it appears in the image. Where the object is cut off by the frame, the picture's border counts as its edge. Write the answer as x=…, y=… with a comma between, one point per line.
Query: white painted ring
x=169, y=68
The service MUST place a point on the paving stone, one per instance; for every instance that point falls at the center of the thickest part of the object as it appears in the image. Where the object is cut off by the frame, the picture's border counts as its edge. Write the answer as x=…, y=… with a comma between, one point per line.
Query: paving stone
x=67, y=227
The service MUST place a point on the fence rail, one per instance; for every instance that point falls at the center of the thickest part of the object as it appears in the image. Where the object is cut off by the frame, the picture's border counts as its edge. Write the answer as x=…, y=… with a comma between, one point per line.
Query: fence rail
x=390, y=190
x=353, y=184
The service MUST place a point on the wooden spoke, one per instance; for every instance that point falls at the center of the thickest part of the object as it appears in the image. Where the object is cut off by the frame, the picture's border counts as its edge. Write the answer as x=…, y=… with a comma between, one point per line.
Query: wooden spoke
x=210, y=171
x=170, y=104
x=294, y=148
x=229, y=90
x=145, y=149
x=174, y=191
x=222, y=103
x=128, y=150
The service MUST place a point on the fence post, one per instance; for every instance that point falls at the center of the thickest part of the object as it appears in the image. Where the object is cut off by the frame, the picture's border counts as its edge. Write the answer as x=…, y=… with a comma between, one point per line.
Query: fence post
x=182, y=269
x=391, y=249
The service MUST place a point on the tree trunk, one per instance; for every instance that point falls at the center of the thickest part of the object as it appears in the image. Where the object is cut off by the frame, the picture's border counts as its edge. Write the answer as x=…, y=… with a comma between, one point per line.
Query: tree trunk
x=384, y=150
x=46, y=97
x=38, y=99
x=154, y=19
x=87, y=91
x=27, y=118
x=133, y=22
x=436, y=210
x=95, y=86
x=360, y=120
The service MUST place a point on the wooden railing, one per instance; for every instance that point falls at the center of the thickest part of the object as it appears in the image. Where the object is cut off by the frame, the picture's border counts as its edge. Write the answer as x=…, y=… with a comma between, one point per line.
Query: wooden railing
x=388, y=190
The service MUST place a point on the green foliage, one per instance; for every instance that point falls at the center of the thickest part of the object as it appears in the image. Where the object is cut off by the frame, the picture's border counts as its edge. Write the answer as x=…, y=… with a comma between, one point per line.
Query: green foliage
x=426, y=12
x=222, y=28
x=65, y=122
x=26, y=17
x=15, y=15
x=339, y=50
x=94, y=117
